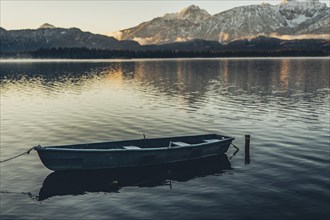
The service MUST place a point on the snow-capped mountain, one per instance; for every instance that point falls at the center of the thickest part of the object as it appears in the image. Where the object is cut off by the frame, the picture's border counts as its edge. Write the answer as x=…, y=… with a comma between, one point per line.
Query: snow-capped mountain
x=290, y=17
x=192, y=13
x=182, y=26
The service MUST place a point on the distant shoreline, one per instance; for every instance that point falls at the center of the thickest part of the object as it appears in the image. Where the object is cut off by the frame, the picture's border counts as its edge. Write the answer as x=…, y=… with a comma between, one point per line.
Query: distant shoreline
x=86, y=53
x=35, y=60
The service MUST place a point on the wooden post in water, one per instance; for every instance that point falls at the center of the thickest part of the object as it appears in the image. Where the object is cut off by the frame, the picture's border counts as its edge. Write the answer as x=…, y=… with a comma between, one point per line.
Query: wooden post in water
x=247, y=149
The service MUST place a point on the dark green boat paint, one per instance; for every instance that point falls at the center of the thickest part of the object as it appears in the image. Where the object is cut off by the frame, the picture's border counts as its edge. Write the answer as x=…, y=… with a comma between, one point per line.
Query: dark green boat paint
x=133, y=153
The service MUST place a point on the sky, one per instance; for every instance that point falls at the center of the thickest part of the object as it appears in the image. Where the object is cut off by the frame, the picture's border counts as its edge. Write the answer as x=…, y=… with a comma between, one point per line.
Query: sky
x=102, y=16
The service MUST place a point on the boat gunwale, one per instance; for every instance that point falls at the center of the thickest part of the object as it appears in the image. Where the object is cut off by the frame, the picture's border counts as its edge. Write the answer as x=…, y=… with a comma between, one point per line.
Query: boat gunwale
x=125, y=150
x=68, y=148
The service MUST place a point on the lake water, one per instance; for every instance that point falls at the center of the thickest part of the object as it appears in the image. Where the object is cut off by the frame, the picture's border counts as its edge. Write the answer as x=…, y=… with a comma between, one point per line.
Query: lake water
x=282, y=103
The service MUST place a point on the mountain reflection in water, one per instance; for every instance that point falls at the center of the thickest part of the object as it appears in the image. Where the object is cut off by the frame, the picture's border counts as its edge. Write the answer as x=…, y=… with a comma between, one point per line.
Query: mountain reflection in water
x=81, y=182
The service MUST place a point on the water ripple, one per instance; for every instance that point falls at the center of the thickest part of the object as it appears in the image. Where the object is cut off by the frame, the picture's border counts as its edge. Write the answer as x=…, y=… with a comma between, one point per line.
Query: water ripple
x=282, y=103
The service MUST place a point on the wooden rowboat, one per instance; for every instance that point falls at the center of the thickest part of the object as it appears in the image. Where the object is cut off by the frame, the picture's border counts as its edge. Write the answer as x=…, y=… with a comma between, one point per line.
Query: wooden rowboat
x=133, y=153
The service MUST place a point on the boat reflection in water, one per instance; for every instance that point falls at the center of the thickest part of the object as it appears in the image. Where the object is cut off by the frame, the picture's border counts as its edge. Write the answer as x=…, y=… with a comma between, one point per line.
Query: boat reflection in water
x=81, y=182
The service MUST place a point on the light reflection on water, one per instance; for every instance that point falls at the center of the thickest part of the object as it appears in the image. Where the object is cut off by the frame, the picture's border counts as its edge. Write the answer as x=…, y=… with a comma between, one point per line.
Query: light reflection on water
x=282, y=103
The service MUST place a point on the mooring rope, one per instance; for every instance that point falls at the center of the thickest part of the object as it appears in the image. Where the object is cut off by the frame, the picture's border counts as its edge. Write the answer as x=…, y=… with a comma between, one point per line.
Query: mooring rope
x=237, y=149
x=32, y=196
x=234, y=146
x=26, y=152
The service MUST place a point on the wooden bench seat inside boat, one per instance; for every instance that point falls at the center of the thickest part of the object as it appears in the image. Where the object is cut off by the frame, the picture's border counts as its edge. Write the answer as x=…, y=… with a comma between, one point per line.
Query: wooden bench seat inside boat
x=179, y=143
x=211, y=140
x=131, y=147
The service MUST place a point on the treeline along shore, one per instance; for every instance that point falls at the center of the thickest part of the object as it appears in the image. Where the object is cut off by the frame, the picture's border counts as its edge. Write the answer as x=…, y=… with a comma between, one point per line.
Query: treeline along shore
x=86, y=53
x=257, y=47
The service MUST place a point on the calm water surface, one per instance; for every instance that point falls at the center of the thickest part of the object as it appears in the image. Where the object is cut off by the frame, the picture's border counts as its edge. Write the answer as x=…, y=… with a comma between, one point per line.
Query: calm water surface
x=283, y=104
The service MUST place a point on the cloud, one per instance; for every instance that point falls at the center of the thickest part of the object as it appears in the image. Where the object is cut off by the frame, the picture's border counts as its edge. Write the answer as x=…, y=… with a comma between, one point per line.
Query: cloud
x=302, y=36
x=116, y=35
x=182, y=39
x=144, y=41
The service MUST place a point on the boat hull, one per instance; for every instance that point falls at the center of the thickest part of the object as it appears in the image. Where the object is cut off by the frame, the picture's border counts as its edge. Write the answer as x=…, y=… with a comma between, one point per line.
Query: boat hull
x=93, y=158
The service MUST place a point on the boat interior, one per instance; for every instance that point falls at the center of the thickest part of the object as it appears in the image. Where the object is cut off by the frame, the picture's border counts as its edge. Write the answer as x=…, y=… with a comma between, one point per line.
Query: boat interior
x=150, y=143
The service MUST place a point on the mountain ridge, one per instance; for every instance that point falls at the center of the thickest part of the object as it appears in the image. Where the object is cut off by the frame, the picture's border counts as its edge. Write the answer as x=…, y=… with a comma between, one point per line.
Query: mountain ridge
x=49, y=36
x=212, y=34
x=290, y=17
